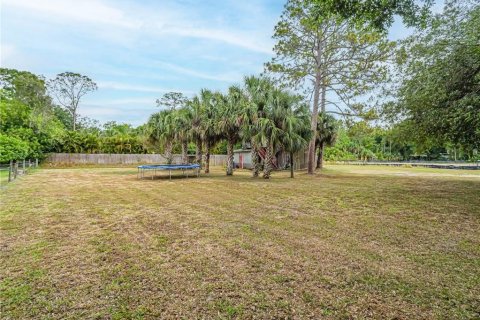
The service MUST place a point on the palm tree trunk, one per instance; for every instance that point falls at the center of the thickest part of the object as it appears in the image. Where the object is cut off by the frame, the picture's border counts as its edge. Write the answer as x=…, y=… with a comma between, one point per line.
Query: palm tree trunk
x=320, y=155
x=318, y=158
x=168, y=152
x=207, y=156
x=268, y=166
x=198, y=152
x=255, y=160
x=229, y=157
x=184, y=152
x=291, y=164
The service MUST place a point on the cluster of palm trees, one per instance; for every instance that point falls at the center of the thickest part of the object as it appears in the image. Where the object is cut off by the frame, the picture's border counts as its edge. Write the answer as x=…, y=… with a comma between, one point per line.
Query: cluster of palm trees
x=267, y=117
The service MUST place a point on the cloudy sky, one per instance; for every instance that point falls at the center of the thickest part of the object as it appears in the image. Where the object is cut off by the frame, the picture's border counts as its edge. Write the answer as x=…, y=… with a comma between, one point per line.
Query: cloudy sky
x=138, y=50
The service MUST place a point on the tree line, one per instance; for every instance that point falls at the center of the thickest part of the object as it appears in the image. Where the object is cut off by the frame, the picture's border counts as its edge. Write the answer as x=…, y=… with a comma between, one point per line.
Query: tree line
x=259, y=113
x=336, y=86
x=32, y=124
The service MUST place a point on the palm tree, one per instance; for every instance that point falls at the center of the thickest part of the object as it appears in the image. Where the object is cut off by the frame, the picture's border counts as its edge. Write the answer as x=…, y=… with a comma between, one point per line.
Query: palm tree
x=268, y=128
x=182, y=120
x=282, y=124
x=196, y=126
x=297, y=131
x=161, y=130
x=257, y=91
x=326, y=135
x=209, y=119
x=231, y=117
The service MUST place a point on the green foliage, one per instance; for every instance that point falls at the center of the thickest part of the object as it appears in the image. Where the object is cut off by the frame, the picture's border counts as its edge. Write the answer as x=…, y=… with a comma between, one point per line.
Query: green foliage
x=68, y=89
x=362, y=141
x=12, y=148
x=121, y=138
x=438, y=96
x=26, y=112
x=113, y=138
x=172, y=100
x=220, y=147
x=160, y=127
x=323, y=52
x=327, y=127
x=378, y=14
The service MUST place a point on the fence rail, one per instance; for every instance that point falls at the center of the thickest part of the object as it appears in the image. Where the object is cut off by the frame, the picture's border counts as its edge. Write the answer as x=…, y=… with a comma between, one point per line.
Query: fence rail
x=115, y=159
x=16, y=168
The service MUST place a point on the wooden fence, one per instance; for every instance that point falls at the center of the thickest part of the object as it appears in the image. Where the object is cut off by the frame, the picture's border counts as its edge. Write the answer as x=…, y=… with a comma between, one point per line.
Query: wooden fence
x=112, y=159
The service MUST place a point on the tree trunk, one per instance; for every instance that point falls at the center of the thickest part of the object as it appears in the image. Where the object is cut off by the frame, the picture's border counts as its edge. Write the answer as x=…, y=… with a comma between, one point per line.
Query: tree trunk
x=230, y=157
x=168, y=152
x=207, y=156
x=74, y=118
x=320, y=155
x=255, y=160
x=291, y=164
x=319, y=83
x=268, y=166
x=198, y=152
x=311, y=146
x=184, y=152
x=316, y=99
x=322, y=144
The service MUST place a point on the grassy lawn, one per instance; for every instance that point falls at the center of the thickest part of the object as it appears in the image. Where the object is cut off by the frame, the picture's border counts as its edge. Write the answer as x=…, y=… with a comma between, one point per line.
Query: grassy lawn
x=3, y=176
x=353, y=242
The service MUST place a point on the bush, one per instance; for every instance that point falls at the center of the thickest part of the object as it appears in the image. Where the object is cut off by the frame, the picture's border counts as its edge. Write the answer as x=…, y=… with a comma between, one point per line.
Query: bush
x=12, y=148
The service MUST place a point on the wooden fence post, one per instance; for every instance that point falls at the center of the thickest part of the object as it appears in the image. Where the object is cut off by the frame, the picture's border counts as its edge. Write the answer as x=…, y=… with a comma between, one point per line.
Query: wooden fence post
x=10, y=172
x=36, y=163
x=23, y=166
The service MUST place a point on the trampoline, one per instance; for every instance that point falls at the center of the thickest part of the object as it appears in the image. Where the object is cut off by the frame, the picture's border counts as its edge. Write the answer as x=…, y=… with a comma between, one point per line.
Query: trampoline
x=195, y=168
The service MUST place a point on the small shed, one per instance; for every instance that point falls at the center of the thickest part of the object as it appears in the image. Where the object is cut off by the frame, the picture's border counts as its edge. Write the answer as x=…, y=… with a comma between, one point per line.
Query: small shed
x=242, y=158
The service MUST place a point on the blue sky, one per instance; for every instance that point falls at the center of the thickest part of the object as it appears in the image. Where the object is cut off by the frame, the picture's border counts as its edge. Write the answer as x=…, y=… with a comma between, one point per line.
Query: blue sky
x=138, y=50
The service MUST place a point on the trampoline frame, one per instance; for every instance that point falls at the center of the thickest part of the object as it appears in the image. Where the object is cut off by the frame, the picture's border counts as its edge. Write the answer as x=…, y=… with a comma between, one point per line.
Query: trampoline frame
x=163, y=167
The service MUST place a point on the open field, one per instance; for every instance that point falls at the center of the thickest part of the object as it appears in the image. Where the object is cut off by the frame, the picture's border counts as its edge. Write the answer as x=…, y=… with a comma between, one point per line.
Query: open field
x=353, y=242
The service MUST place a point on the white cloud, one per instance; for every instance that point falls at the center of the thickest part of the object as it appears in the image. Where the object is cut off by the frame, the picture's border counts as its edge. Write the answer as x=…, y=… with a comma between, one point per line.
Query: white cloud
x=233, y=38
x=93, y=11
x=136, y=50
x=136, y=22
x=127, y=101
x=139, y=88
x=196, y=74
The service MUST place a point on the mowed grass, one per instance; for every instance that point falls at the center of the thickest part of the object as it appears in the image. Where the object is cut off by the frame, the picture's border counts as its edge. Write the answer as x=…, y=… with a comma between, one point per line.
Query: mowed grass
x=352, y=242
x=3, y=176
